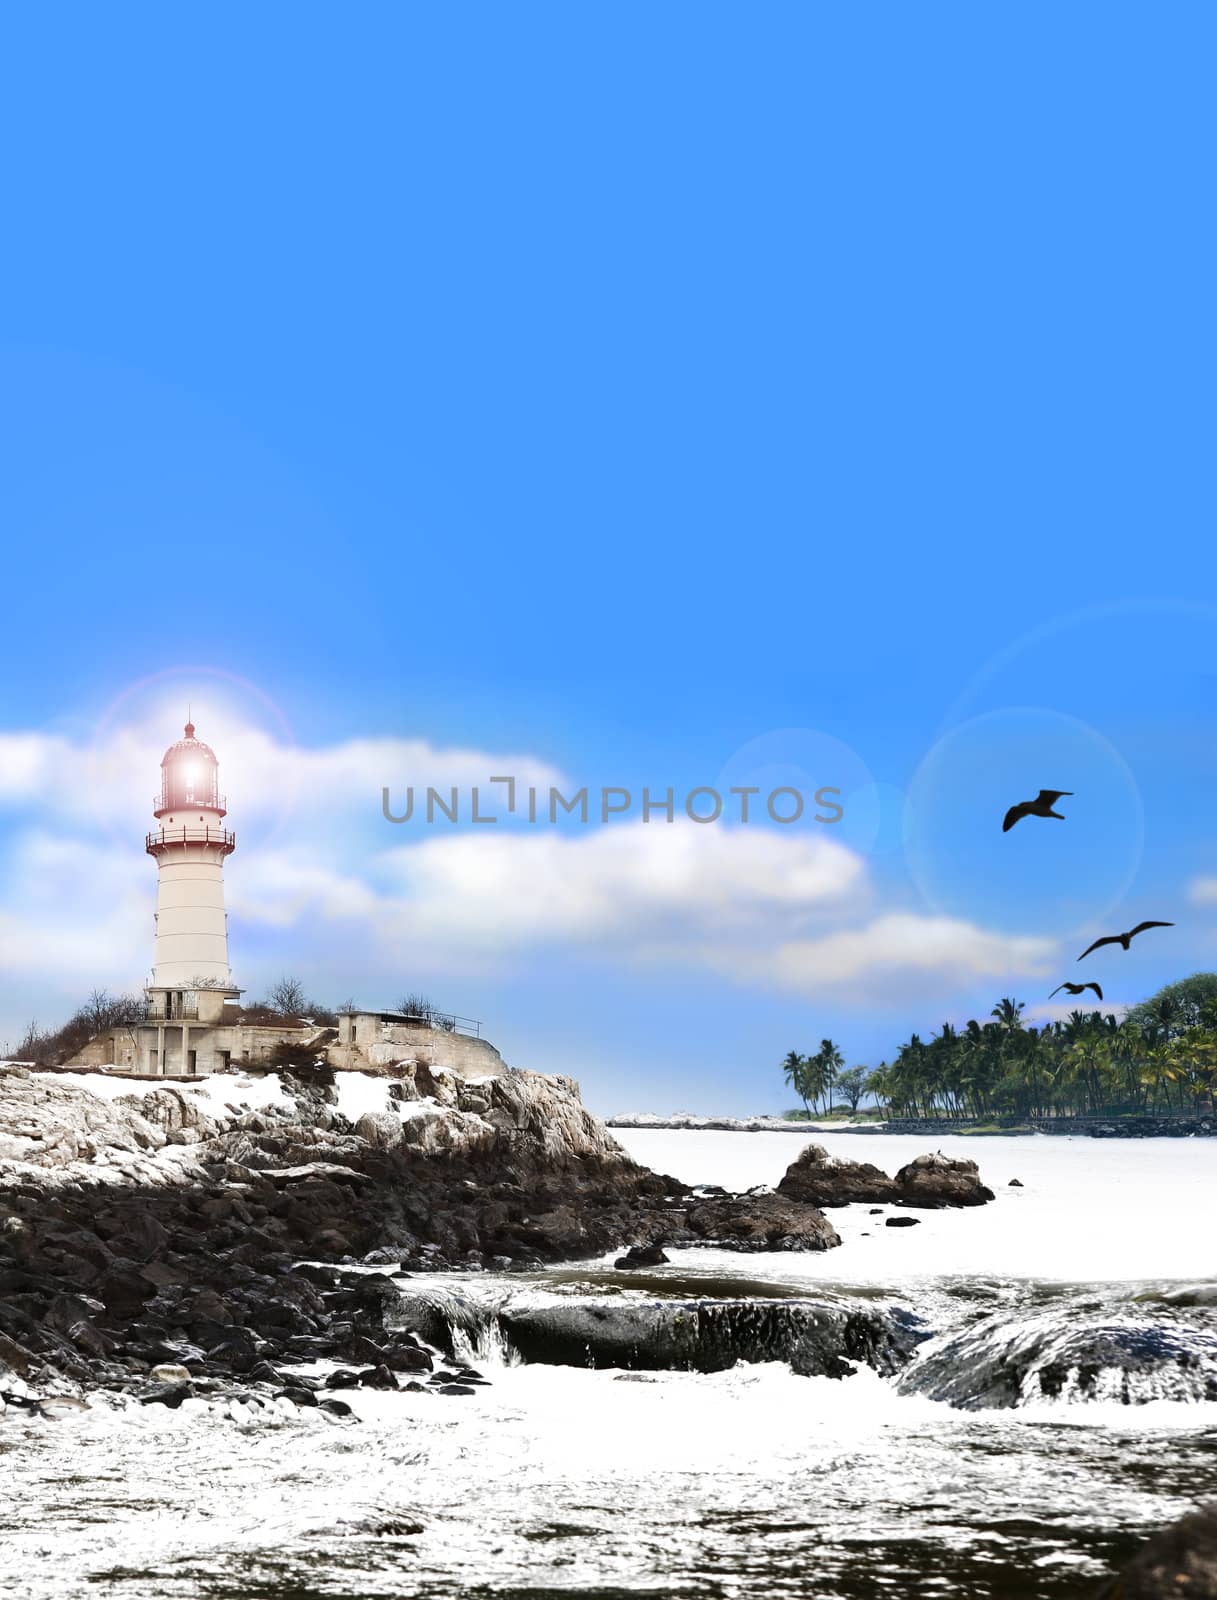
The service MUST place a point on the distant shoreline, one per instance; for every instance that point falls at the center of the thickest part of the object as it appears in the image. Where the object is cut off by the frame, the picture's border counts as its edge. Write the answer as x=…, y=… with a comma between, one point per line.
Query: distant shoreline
x=641, y=1119
x=1052, y=1127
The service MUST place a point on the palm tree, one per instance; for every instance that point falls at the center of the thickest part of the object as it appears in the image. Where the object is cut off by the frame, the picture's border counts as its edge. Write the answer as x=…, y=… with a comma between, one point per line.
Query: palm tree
x=830, y=1061
x=794, y=1072
x=1009, y=1014
x=879, y=1084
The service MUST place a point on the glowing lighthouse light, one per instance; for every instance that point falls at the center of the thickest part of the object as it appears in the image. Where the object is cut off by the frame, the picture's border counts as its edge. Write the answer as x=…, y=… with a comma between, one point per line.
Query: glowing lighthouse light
x=190, y=974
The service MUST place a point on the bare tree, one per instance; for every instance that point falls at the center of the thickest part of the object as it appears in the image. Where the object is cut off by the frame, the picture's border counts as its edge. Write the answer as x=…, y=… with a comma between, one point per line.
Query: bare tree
x=287, y=997
x=417, y=1005
x=96, y=1009
x=103, y=1010
x=33, y=1046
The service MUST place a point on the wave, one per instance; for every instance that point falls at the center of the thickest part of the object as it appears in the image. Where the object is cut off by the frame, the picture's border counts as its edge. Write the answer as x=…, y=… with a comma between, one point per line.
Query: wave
x=1069, y=1347
x=1067, y=1356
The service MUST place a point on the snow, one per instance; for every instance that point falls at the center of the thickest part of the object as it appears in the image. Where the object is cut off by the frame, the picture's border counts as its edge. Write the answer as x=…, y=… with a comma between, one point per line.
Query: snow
x=224, y=1089
x=219, y=1091
x=413, y=1109
x=104, y=1085
x=361, y=1092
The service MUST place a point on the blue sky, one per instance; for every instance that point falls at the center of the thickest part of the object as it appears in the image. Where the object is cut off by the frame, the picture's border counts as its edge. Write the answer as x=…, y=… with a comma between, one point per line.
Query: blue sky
x=643, y=395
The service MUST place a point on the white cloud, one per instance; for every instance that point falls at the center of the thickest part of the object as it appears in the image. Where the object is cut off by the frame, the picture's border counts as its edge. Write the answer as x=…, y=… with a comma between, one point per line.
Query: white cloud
x=97, y=784
x=620, y=884
x=907, y=943
x=32, y=765
x=1203, y=891
x=75, y=912
x=761, y=908
x=322, y=882
x=280, y=889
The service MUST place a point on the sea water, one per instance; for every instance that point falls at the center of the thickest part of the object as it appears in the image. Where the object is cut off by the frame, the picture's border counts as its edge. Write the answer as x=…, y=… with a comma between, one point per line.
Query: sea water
x=565, y=1481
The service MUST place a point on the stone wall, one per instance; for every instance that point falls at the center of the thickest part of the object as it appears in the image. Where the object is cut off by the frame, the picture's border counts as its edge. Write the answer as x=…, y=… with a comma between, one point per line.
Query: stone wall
x=1066, y=1127
x=1128, y=1127
x=385, y=1044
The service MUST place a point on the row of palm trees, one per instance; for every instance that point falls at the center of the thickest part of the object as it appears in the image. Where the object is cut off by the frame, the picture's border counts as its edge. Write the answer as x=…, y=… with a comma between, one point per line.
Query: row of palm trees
x=1156, y=1060
x=1160, y=1058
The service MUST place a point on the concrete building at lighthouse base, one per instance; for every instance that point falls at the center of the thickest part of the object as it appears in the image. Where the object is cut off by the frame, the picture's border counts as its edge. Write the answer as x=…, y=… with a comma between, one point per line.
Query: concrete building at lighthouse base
x=194, y=1045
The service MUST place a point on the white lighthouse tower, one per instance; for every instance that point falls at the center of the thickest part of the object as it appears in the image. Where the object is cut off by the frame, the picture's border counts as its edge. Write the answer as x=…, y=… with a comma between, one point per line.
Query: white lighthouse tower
x=190, y=974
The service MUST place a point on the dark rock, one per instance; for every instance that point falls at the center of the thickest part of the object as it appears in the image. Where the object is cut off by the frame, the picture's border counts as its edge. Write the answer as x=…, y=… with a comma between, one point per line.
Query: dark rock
x=324, y=1276
x=932, y=1182
x=404, y=1358
x=88, y=1338
x=124, y=1291
x=816, y=1337
x=263, y=1372
x=377, y=1378
x=455, y=1388
x=641, y=1255
x=902, y=1222
x=761, y=1222
x=181, y=1351
x=1179, y=1563
x=170, y=1394
x=929, y=1182
x=383, y=1257
x=362, y=1349
x=300, y=1397
x=336, y=1408
x=1015, y=1183
x=818, y=1179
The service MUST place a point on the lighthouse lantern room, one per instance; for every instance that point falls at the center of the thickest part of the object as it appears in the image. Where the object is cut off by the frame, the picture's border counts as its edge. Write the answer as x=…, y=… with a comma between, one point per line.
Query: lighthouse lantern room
x=191, y=977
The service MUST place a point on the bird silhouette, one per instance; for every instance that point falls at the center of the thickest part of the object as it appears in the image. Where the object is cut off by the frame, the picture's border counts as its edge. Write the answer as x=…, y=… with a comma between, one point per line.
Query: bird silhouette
x=1041, y=806
x=1077, y=988
x=1124, y=939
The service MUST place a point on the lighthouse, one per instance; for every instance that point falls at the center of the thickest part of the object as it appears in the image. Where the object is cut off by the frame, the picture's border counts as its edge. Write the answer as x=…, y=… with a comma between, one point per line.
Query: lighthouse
x=186, y=1029
x=190, y=973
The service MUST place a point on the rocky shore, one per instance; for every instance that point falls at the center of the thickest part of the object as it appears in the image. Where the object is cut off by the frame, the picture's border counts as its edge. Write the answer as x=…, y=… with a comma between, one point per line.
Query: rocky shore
x=177, y=1241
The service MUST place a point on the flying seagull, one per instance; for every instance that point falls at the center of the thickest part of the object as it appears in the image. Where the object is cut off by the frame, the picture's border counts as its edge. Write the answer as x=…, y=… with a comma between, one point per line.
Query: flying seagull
x=1077, y=988
x=1041, y=806
x=1124, y=939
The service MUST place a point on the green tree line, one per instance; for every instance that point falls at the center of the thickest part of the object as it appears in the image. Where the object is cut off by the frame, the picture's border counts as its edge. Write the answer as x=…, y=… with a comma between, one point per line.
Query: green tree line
x=1160, y=1058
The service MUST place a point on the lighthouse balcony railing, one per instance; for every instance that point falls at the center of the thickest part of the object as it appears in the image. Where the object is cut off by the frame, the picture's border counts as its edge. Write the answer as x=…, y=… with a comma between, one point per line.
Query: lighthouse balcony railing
x=177, y=1011
x=190, y=834
x=183, y=802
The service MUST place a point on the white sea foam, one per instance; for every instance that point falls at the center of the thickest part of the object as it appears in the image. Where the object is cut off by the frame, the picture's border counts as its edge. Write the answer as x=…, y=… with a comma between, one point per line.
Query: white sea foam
x=564, y=1479
x=1110, y=1210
